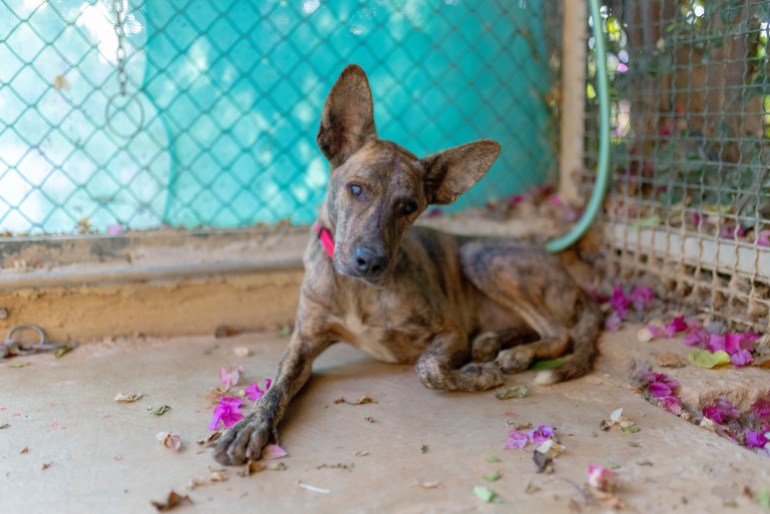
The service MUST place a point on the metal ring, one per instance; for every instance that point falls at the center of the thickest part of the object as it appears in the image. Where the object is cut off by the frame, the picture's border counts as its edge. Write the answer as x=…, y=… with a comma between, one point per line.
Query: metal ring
x=107, y=115
x=25, y=326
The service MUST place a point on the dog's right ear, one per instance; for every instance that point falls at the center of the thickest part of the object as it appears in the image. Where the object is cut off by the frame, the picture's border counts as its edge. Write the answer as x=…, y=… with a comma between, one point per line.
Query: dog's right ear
x=347, y=121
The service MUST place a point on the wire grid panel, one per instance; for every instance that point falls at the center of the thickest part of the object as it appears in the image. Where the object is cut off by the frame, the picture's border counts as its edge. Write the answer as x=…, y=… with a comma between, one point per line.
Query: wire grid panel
x=204, y=113
x=689, y=204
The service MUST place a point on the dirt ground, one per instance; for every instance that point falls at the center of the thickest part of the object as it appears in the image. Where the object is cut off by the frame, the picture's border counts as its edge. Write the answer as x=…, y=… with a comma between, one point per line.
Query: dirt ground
x=67, y=446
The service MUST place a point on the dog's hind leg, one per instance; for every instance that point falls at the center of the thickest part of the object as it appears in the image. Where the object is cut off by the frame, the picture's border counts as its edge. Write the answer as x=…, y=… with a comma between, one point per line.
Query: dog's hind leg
x=534, y=285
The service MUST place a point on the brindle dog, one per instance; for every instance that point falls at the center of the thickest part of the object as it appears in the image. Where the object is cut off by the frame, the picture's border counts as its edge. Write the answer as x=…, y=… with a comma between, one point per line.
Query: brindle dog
x=464, y=309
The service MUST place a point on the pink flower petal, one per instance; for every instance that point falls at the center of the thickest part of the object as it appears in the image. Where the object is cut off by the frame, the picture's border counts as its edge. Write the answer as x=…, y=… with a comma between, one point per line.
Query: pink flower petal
x=641, y=296
x=754, y=439
x=671, y=404
x=741, y=358
x=516, y=440
x=675, y=326
x=619, y=301
x=761, y=408
x=602, y=479
x=273, y=451
x=541, y=434
x=720, y=411
x=763, y=238
x=254, y=393
x=230, y=376
x=227, y=412
x=613, y=322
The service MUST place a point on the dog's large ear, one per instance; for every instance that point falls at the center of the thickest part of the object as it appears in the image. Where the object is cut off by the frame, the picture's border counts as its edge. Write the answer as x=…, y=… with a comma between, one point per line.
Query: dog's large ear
x=450, y=173
x=347, y=121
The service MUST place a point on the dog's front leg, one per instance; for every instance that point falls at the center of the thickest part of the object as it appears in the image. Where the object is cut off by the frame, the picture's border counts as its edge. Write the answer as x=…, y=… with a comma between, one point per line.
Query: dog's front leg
x=444, y=365
x=245, y=440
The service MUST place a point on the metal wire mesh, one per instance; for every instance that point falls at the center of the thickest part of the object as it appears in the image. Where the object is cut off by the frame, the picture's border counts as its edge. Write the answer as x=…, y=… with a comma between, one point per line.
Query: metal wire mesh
x=689, y=205
x=117, y=114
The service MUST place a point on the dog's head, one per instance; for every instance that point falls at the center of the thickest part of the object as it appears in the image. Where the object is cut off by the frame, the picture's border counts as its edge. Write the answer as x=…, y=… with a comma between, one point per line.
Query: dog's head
x=377, y=188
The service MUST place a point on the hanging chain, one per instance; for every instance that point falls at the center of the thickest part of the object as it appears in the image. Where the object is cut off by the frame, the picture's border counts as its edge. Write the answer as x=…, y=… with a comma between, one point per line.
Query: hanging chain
x=120, y=53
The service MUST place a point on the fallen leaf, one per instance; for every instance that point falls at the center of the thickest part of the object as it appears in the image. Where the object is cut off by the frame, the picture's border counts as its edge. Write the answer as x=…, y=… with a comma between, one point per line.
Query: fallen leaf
x=548, y=363
x=277, y=466
x=631, y=430
x=127, y=397
x=707, y=359
x=60, y=83
x=226, y=331
x=531, y=487
x=543, y=463
x=362, y=453
x=209, y=439
x=62, y=351
x=5, y=425
x=172, y=500
x=429, y=485
x=670, y=360
x=339, y=465
x=492, y=458
x=369, y=419
x=159, y=411
x=24, y=450
x=493, y=476
x=763, y=498
x=45, y=465
x=486, y=494
x=644, y=463
x=219, y=476
x=253, y=467
x=517, y=391
x=18, y=364
x=364, y=400
x=169, y=440
x=424, y=448
x=273, y=451
x=196, y=482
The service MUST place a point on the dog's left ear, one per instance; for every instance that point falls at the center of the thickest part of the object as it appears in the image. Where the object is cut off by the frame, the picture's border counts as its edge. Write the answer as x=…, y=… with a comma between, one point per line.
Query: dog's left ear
x=450, y=173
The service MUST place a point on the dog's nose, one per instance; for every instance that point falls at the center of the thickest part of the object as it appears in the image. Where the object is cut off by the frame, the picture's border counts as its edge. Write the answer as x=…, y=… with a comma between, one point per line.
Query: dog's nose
x=368, y=262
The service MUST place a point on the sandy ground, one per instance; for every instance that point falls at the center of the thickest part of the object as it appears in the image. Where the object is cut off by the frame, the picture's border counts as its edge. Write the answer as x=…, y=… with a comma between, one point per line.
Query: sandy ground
x=69, y=447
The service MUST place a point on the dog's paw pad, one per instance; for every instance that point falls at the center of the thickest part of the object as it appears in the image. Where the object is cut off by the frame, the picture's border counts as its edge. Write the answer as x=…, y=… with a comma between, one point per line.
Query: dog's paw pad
x=242, y=442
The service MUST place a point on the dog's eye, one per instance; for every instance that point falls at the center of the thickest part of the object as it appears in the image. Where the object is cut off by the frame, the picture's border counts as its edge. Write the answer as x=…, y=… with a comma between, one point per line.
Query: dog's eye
x=355, y=189
x=408, y=207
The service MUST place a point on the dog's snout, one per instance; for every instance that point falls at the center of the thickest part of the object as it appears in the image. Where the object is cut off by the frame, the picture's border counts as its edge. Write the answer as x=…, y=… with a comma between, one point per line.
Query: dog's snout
x=368, y=262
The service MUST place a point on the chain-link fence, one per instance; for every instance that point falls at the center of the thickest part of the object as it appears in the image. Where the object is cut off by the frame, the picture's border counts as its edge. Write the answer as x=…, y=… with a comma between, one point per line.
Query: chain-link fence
x=689, y=205
x=122, y=115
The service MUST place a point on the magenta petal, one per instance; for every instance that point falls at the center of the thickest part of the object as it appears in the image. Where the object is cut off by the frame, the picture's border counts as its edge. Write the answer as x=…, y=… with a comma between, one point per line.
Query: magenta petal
x=676, y=325
x=619, y=302
x=761, y=408
x=641, y=296
x=541, y=434
x=612, y=323
x=741, y=358
x=716, y=342
x=754, y=439
x=516, y=440
x=671, y=404
x=273, y=451
x=659, y=389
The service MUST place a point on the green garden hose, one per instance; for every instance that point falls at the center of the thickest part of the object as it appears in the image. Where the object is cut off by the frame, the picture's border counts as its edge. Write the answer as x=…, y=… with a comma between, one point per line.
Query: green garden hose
x=602, y=172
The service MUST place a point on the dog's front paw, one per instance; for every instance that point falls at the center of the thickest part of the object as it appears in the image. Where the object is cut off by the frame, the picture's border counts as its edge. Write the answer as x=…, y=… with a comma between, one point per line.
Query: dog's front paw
x=515, y=359
x=243, y=441
x=482, y=376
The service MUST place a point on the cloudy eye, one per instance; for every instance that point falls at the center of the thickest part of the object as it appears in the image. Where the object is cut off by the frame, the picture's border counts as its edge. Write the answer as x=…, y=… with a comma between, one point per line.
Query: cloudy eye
x=408, y=207
x=355, y=189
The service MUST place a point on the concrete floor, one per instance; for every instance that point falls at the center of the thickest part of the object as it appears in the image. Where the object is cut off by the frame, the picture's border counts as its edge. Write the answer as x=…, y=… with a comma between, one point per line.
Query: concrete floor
x=104, y=457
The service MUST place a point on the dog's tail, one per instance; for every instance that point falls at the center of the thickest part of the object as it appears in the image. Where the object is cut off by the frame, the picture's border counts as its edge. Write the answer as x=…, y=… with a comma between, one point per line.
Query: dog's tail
x=584, y=337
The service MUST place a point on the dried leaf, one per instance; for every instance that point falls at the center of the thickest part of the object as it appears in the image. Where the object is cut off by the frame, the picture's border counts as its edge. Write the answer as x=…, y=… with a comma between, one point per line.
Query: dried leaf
x=127, y=397
x=219, y=476
x=670, y=360
x=364, y=400
x=159, y=411
x=630, y=429
x=429, y=485
x=362, y=453
x=18, y=364
x=707, y=359
x=493, y=476
x=492, y=458
x=369, y=419
x=531, y=487
x=424, y=448
x=241, y=351
x=45, y=465
x=169, y=440
x=5, y=425
x=62, y=351
x=24, y=450
x=226, y=331
x=209, y=439
x=173, y=500
x=277, y=466
x=486, y=494
x=517, y=391
x=253, y=467
x=543, y=463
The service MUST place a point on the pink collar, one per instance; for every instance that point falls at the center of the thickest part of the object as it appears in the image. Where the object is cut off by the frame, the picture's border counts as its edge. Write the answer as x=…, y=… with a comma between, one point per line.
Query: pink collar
x=326, y=238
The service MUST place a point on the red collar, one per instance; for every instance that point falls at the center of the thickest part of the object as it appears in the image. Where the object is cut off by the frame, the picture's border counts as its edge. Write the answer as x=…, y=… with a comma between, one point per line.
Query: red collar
x=326, y=238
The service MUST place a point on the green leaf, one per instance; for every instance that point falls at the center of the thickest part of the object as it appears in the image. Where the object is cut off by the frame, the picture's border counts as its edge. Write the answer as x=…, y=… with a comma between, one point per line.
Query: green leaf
x=763, y=498
x=517, y=391
x=707, y=359
x=285, y=331
x=548, y=364
x=492, y=458
x=159, y=411
x=62, y=351
x=631, y=430
x=493, y=477
x=486, y=494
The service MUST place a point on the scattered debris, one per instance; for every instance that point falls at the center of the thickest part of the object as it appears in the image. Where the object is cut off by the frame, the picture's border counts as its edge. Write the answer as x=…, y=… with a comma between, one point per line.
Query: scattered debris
x=208, y=439
x=241, y=351
x=5, y=425
x=339, y=465
x=62, y=351
x=272, y=452
x=196, y=482
x=424, y=448
x=172, y=500
x=169, y=440
x=531, y=487
x=486, y=494
x=117, y=457
x=159, y=411
x=230, y=376
x=127, y=397
x=24, y=450
x=313, y=488
x=369, y=419
x=517, y=391
x=227, y=412
x=361, y=453
x=644, y=462
x=429, y=485
x=543, y=463
x=494, y=476
x=519, y=439
x=45, y=465
x=219, y=475
x=277, y=466
x=361, y=401
x=492, y=458
x=707, y=359
x=18, y=364
x=285, y=331
x=223, y=331
x=60, y=83
x=617, y=418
